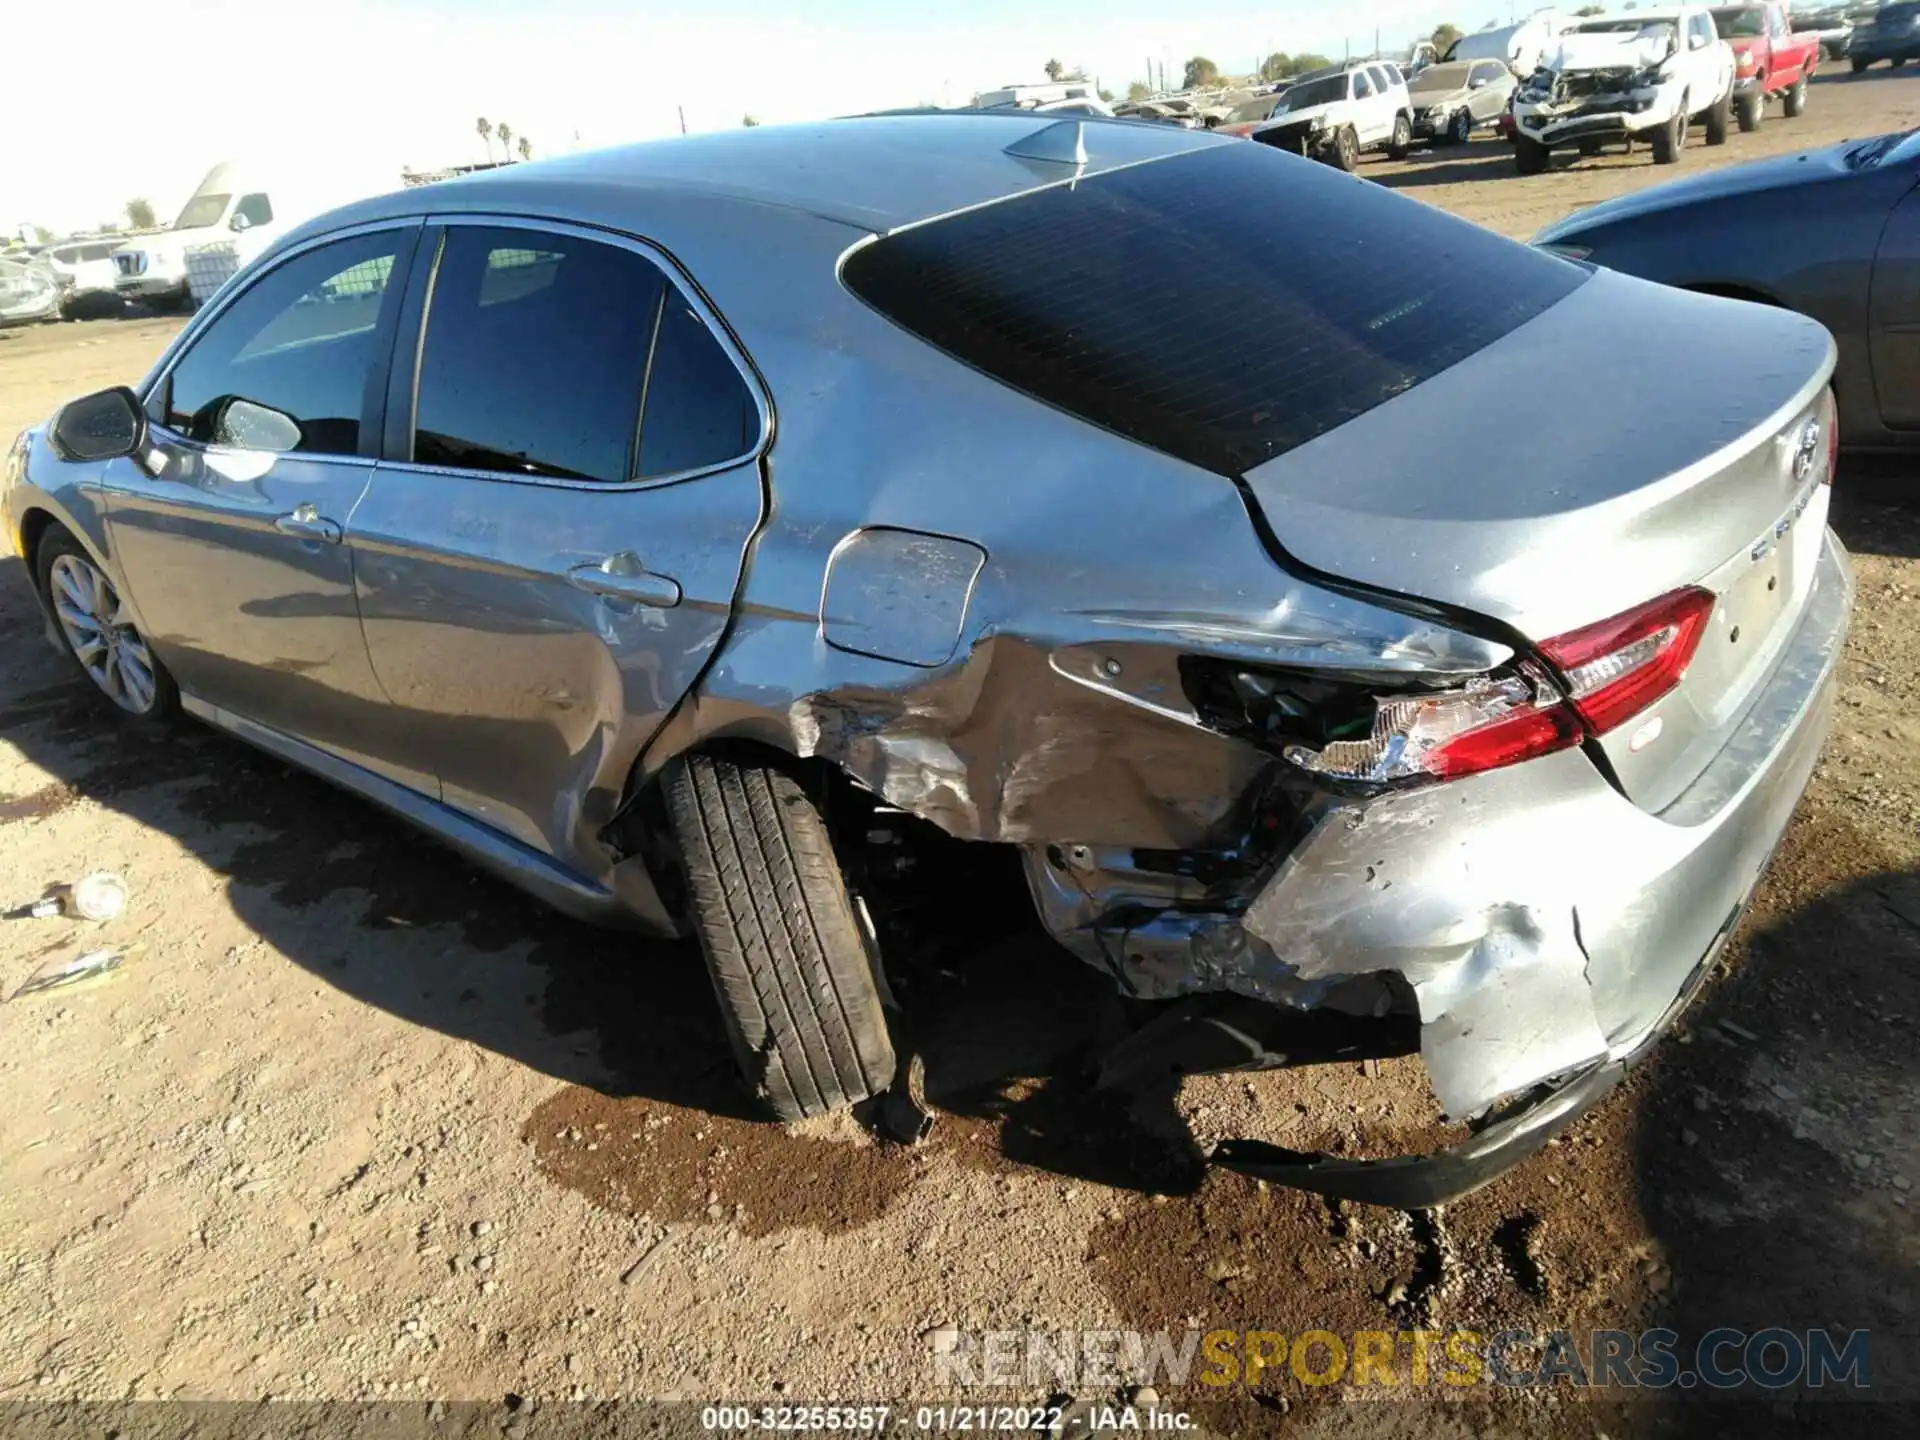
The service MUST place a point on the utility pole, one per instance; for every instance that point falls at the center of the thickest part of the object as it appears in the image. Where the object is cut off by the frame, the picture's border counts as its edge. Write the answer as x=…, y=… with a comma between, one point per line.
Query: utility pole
x=683, y=118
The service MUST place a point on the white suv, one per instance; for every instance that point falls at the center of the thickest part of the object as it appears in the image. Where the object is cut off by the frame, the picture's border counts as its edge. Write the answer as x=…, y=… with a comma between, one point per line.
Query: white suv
x=1640, y=75
x=1334, y=115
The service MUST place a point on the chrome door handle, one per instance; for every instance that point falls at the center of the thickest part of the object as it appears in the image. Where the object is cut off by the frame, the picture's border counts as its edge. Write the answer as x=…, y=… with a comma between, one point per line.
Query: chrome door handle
x=623, y=577
x=309, y=524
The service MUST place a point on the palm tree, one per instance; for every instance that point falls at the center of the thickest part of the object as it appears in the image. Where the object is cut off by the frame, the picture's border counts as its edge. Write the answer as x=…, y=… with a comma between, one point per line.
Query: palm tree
x=526, y=148
x=486, y=136
x=505, y=132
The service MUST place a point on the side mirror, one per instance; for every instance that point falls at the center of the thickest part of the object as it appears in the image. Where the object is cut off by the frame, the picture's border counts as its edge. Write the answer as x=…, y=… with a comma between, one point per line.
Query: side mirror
x=239, y=222
x=104, y=426
x=249, y=425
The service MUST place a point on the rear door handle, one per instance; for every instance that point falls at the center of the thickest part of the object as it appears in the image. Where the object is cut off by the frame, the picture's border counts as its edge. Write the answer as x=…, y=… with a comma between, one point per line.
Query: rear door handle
x=623, y=577
x=309, y=524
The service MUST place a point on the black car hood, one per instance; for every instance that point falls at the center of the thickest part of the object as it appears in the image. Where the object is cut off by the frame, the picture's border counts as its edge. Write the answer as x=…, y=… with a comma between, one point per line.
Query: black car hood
x=1779, y=173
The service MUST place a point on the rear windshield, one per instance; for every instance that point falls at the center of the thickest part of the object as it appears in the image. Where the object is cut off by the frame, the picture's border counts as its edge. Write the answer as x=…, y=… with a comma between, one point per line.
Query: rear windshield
x=1123, y=300
x=1741, y=22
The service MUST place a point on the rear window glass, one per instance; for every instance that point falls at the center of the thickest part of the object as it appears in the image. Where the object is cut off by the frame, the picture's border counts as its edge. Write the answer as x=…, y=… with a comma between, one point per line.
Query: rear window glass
x=1123, y=300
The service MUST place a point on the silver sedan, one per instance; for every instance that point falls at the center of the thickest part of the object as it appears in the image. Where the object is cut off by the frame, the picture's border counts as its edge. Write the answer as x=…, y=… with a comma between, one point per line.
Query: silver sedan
x=697, y=532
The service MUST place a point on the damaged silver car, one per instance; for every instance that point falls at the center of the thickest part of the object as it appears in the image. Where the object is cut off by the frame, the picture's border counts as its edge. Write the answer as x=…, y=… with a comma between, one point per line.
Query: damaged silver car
x=673, y=528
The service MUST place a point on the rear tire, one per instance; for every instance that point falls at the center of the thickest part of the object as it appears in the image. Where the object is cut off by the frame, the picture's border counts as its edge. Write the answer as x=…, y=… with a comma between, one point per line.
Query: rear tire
x=1795, y=103
x=788, y=955
x=1751, y=111
x=1590, y=146
x=1719, y=120
x=1529, y=156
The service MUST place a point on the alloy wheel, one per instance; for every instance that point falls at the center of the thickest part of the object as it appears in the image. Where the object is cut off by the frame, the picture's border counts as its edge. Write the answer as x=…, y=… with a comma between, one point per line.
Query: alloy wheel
x=102, y=638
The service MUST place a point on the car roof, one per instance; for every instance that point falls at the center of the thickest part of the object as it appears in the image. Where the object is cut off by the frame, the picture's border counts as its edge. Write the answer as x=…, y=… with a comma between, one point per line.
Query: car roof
x=878, y=172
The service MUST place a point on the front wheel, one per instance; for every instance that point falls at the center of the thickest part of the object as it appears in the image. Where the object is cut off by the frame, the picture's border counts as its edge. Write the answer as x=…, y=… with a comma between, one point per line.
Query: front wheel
x=1345, y=154
x=97, y=630
x=790, y=960
x=1858, y=66
x=1719, y=120
x=1460, y=127
x=1795, y=103
x=1752, y=110
x=1402, y=139
x=1529, y=155
x=1671, y=139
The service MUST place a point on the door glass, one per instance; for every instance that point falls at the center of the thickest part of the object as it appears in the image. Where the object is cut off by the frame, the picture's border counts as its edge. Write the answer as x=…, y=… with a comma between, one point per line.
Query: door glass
x=298, y=343
x=699, y=411
x=535, y=353
x=1362, y=87
x=256, y=207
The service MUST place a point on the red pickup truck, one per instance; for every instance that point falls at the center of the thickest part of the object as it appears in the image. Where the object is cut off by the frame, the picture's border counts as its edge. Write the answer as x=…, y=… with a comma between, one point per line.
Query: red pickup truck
x=1770, y=59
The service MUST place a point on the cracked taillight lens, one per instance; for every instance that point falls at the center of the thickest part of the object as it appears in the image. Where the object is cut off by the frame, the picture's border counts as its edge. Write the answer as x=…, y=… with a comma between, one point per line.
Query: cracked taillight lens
x=1614, y=670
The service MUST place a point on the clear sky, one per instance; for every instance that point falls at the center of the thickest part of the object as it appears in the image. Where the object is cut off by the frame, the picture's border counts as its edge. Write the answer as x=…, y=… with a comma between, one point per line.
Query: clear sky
x=142, y=97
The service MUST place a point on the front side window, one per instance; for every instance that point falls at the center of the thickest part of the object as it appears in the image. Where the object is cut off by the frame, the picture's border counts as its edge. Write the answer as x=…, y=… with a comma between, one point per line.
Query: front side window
x=1488, y=74
x=256, y=207
x=286, y=366
x=551, y=356
x=1362, y=87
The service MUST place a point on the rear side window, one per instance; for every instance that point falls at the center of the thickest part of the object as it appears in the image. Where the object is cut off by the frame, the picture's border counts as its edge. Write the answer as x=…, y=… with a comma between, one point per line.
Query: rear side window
x=549, y=355
x=1122, y=299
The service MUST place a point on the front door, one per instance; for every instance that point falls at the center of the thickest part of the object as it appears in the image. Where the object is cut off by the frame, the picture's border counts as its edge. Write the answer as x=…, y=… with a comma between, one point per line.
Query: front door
x=549, y=555
x=231, y=533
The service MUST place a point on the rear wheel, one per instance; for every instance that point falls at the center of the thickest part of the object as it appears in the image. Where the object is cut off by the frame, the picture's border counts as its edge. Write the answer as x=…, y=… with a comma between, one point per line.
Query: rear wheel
x=1529, y=156
x=1858, y=66
x=1752, y=110
x=1719, y=120
x=790, y=960
x=1671, y=139
x=1795, y=103
x=97, y=630
x=1402, y=140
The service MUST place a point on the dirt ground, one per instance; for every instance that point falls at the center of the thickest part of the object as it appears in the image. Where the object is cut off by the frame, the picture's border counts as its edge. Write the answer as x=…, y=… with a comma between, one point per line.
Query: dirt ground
x=356, y=1122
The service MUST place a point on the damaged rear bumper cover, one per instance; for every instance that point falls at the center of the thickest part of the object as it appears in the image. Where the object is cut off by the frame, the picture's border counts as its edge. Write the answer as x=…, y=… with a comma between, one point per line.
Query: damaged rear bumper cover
x=1547, y=927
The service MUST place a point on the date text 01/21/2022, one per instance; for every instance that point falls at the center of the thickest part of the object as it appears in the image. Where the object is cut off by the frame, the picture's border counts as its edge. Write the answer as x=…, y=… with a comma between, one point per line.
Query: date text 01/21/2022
x=940, y=1419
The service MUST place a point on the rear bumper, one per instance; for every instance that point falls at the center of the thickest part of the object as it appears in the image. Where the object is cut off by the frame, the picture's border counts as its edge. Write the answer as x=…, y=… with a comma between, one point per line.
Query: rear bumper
x=1548, y=927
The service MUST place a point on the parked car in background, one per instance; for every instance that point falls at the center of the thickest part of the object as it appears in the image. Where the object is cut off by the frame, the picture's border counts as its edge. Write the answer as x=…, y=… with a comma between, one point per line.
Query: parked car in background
x=1156, y=111
x=1893, y=35
x=1338, y=114
x=1244, y=117
x=1831, y=26
x=1644, y=75
x=1522, y=45
x=469, y=498
x=30, y=290
x=1454, y=98
x=1832, y=233
x=1769, y=59
x=86, y=270
x=153, y=268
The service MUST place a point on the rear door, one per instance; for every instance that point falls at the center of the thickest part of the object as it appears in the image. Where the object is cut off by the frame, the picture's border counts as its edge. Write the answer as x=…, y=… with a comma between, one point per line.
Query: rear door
x=264, y=430
x=548, y=554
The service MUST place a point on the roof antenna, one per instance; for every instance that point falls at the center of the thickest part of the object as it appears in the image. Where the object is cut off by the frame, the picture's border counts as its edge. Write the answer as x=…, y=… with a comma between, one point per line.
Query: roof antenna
x=1061, y=143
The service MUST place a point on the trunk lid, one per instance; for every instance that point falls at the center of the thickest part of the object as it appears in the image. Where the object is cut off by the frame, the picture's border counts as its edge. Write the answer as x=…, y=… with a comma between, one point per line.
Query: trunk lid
x=1625, y=443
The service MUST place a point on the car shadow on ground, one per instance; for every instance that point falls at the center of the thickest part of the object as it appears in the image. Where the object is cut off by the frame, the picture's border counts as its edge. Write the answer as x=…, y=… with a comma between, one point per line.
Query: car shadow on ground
x=1776, y=1152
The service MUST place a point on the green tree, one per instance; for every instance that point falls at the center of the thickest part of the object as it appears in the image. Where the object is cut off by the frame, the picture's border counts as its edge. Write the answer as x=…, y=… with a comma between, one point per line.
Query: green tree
x=1303, y=63
x=485, y=128
x=1138, y=90
x=140, y=214
x=1106, y=95
x=1443, y=36
x=1200, y=73
x=1586, y=10
x=504, y=133
x=1054, y=69
x=748, y=121
x=526, y=148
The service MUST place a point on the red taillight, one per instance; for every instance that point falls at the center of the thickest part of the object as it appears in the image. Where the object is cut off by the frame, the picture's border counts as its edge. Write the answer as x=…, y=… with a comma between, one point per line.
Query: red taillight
x=1619, y=667
x=1614, y=670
